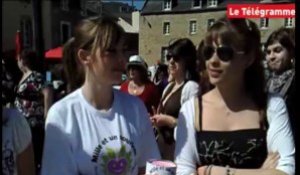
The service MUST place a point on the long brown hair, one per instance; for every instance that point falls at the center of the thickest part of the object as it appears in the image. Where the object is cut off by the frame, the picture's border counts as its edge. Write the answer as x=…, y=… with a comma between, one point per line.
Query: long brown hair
x=72, y=67
x=95, y=32
x=245, y=35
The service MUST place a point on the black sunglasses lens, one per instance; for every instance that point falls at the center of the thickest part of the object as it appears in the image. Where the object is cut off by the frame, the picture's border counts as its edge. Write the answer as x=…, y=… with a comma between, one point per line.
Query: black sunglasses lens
x=175, y=58
x=208, y=52
x=225, y=53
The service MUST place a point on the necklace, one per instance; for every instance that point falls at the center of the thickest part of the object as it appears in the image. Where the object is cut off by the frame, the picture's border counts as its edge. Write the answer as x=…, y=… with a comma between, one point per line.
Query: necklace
x=135, y=89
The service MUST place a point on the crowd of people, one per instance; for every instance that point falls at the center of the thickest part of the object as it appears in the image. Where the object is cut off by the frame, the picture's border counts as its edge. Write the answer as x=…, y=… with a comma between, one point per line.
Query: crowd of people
x=212, y=109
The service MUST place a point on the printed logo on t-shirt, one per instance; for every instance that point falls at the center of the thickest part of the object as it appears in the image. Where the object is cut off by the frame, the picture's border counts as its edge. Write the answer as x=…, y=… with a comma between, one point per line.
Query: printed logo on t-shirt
x=115, y=161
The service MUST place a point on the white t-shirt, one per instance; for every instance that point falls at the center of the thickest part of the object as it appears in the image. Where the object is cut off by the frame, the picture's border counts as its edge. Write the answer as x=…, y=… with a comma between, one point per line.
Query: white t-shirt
x=83, y=140
x=16, y=137
x=279, y=137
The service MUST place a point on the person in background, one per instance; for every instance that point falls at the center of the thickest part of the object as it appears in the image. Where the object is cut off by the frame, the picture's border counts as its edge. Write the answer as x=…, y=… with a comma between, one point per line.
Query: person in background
x=235, y=128
x=139, y=84
x=73, y=70
x=33, y=99
x=17, y=151
x=181, y=59
x=160, y=79
x=280, y=57
x=58, y=82
x=7, y=84
x=97, y=129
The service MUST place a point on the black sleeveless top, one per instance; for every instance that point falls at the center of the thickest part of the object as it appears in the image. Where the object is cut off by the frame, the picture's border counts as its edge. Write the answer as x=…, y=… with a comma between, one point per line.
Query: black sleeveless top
x=245, y=148
x=172, y=108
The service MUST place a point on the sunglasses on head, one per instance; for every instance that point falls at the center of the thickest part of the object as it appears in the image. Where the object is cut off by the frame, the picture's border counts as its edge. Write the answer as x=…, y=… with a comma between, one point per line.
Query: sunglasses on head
x=170, y=56
x=225, y=53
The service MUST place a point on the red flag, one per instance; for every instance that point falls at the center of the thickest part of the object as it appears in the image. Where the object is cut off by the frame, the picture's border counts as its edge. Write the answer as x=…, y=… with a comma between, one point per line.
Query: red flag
x=18, y=43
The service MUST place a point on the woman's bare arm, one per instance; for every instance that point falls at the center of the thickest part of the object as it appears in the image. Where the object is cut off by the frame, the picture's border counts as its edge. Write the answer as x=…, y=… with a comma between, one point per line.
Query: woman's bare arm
x=25, y=162
x=268, y=168
x=48, y=99
x=216, y=170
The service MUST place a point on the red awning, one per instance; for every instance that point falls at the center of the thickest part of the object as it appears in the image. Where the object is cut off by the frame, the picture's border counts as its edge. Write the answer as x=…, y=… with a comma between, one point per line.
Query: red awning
x=55, y=53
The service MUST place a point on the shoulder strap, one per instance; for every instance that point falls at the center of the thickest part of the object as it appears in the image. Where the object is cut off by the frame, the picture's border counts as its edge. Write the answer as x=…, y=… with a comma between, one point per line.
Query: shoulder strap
x=167, y=91
x=164, y=95
x=197, y=114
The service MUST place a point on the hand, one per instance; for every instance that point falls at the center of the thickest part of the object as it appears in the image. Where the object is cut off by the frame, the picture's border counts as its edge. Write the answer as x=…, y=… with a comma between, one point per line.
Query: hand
x=271, y=161
x=154, y=112
x=160, y=120
x=201, y=170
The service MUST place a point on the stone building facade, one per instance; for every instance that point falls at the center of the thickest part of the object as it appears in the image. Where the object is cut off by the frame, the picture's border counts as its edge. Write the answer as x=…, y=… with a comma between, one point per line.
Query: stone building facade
x=163, y=21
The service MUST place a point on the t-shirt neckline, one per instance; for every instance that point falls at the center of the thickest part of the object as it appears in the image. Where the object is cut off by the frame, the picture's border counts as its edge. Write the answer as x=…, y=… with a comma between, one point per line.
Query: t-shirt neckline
x=104, y=113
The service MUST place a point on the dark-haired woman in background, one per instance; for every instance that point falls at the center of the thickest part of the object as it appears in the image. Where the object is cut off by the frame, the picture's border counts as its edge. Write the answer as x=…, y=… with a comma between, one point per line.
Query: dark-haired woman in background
x=184, y=85
x=280, y=57
x=33, y=99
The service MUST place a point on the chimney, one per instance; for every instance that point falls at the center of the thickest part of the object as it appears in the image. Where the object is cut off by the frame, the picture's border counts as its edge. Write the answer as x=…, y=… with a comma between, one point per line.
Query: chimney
x=136, y=20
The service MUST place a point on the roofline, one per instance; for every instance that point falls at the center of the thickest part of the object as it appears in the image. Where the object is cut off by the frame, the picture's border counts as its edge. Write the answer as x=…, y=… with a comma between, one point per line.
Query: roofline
x=146, y=2
x=184, y=11
x=206, y=9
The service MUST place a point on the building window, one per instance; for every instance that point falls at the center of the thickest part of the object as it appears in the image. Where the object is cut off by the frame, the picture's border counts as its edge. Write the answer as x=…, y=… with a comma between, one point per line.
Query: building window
x=65, y=31
x=193, y=27
x=167, y=4
x=83, y=12
x=212, y=3
x=64, y=5
x=166, y=28
x=288, y=22
x=264, y=23
x=26, y=32
x=123, y=9
x=210, y=22
x=164, y=52
x=197, y=3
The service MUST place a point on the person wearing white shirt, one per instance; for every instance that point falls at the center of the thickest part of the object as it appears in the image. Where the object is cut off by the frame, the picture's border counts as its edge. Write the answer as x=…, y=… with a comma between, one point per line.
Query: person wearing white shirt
x=96, y=129
x=17, y=150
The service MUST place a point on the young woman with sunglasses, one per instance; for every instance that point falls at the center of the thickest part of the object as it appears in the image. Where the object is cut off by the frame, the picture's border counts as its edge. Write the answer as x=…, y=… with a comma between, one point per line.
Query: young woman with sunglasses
x=182, y=68
x=236, y=128
x=139, y=84
x=97, y=129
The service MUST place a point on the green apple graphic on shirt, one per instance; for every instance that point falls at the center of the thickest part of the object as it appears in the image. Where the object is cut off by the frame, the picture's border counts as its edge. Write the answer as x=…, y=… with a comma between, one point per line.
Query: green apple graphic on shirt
x=116, y=163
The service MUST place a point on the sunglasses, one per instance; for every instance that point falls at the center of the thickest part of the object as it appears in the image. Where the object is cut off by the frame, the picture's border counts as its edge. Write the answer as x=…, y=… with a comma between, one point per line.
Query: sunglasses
x=170, y=56
x=225, y=53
